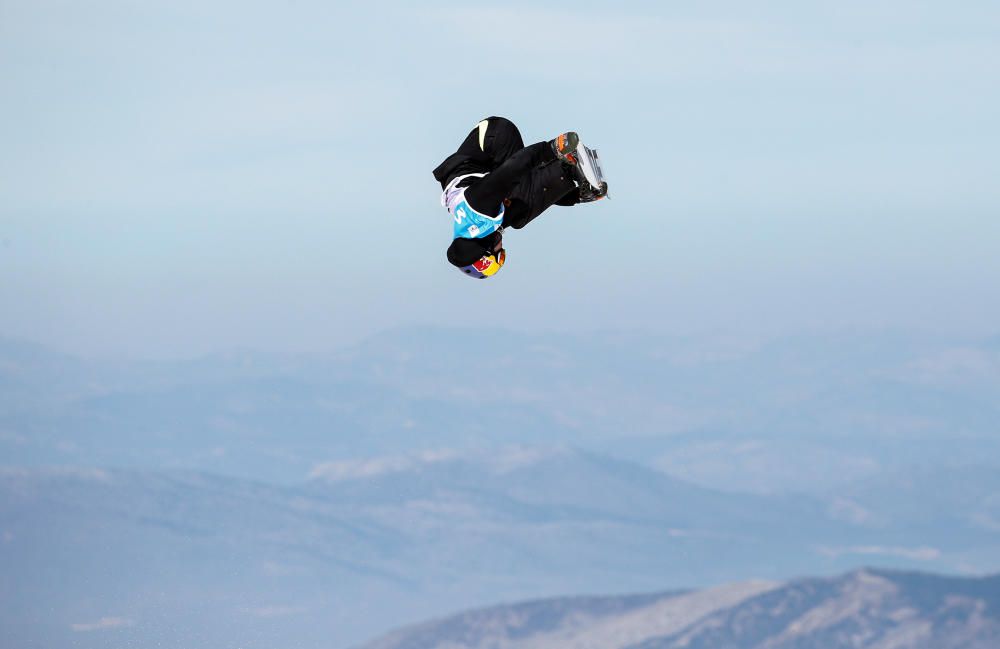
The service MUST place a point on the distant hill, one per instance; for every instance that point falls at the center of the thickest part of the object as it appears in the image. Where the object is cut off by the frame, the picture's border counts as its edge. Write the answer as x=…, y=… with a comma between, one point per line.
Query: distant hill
x=807, y=413
x=866, y=609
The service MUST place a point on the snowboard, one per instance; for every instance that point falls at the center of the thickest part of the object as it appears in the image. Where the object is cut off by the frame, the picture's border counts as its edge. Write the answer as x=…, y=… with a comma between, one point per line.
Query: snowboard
x=589, y=165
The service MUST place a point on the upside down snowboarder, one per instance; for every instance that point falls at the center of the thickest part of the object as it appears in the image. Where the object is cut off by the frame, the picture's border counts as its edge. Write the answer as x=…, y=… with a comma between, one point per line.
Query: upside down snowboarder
x=494, y=182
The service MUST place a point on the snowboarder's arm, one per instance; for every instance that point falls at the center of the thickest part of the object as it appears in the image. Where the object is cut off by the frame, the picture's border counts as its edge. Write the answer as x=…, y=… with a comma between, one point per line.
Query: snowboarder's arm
x=570, y=199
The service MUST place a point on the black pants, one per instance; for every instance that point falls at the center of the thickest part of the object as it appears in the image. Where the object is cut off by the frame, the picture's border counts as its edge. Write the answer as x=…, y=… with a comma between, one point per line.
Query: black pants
x=528, y=180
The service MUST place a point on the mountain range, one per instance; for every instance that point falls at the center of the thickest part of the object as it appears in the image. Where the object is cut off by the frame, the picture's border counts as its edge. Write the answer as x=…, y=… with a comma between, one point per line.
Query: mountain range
x=272, y=500
x=199, y=560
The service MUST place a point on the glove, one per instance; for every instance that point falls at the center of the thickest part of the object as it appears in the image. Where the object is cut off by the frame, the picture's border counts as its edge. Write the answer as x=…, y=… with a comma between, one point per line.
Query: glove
x=588, y=194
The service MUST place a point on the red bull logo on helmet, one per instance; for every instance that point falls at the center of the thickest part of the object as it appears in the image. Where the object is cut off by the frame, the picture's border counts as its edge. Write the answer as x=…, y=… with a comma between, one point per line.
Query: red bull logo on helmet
x=484, y=267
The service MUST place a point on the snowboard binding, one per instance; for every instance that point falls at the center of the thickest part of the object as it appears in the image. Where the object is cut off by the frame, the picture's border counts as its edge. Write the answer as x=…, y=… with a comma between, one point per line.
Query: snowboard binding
x=565, y=147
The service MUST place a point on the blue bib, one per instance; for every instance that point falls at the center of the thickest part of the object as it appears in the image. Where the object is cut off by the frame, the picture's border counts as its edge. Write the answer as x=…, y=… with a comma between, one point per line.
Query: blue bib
x=470, y=224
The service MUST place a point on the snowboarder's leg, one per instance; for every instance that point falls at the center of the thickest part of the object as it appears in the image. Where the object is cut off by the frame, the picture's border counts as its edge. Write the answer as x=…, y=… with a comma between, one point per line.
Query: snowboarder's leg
x=495, y=139
x=545, y=186
x=486, y=195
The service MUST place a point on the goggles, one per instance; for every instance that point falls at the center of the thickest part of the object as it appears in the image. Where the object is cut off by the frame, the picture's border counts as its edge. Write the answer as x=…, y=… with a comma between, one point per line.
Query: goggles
x=486, y=266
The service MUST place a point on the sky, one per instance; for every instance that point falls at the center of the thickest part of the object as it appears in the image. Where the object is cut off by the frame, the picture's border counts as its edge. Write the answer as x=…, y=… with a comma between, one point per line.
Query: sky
x=184, y=177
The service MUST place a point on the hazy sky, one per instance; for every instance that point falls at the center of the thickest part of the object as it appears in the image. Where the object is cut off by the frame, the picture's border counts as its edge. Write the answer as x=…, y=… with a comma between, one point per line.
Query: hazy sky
x=178, y=177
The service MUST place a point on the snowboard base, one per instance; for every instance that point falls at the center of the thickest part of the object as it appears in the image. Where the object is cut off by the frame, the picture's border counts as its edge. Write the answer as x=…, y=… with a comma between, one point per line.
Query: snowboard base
x=589, y=165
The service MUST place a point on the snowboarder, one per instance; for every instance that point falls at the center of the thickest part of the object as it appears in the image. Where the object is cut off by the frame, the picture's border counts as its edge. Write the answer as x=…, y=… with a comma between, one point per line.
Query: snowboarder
x=494, y=182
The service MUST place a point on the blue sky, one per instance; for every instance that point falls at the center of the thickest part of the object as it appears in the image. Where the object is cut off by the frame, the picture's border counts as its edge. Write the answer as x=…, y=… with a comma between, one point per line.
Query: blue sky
x=181, y=177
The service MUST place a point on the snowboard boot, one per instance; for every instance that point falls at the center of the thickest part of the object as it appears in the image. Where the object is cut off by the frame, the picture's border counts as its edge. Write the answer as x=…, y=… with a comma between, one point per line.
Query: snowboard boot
x=565, y=147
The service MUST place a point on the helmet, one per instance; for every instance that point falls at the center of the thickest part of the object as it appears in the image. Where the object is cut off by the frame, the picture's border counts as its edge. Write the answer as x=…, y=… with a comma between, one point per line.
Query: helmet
x=486, y=266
